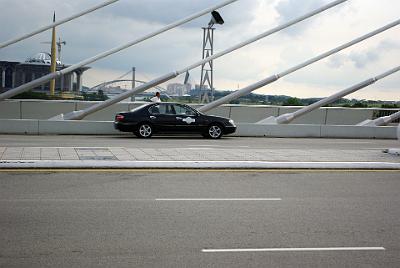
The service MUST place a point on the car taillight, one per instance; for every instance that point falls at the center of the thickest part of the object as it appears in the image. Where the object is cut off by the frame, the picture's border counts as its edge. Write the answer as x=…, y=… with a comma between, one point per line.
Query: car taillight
x=119, y=117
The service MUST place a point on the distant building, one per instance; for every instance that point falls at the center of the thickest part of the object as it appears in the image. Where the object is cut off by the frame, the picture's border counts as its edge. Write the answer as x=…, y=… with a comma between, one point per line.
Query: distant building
x=14, y=74
x=176, y=89
x=197, y=91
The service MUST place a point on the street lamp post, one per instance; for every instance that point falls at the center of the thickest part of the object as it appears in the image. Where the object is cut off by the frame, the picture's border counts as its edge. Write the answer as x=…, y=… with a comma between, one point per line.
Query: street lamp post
x=207, y=72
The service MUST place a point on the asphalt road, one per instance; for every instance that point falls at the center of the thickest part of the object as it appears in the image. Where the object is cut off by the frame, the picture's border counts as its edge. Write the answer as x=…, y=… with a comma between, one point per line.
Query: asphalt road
x=130, y=141
x=180, y=219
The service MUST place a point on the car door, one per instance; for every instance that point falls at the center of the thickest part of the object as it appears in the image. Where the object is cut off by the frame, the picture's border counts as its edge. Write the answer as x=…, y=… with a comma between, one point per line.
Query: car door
x=187, y=118
x=161, y=117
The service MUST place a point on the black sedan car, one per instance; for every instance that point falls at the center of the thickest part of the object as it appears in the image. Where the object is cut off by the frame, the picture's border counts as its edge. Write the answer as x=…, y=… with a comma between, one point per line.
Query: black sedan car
x=163, y=117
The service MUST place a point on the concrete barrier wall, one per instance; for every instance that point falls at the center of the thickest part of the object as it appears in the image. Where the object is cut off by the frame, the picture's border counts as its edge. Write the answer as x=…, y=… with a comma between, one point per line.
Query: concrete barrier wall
x=281, y=131
x=316, y=131
x=358, y=132
x=76, y=128
x=10, y=109
x=224, y=111
x=37, y=127
x=107, y=114
x=44, y=109
x=251, y=115
x=316, y=117
x=340, y=116
x=398, y=132
x=19, y=126
x=33, y=126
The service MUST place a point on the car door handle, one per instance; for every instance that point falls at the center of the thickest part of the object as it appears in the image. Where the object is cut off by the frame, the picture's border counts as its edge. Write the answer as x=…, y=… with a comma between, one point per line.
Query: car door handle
x=178, y=118
x=152, y=117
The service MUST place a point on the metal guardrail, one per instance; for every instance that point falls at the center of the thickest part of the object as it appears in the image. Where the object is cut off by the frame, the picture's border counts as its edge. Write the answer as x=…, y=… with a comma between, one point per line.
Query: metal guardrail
x=381, y=113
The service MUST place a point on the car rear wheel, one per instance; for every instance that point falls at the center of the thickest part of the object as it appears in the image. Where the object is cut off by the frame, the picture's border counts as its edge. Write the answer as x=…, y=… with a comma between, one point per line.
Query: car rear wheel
x=145, y=130
x=214, y=131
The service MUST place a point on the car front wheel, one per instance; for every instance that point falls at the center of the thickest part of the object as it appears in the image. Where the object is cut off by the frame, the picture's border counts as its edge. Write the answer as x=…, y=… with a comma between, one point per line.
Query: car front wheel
x=214, y=131
x=144, y=130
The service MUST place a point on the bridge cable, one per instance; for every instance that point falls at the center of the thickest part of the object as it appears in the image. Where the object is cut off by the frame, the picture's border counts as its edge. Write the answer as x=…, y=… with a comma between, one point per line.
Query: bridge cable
x=54, y=24
x=77, y=115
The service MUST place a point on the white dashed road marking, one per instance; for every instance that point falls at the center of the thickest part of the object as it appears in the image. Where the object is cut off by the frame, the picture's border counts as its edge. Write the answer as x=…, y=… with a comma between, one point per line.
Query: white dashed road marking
x=292, y=249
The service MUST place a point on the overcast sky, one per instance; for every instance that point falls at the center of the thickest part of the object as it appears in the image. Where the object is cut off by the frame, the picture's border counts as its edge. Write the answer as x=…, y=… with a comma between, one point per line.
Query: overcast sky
x=127, y=20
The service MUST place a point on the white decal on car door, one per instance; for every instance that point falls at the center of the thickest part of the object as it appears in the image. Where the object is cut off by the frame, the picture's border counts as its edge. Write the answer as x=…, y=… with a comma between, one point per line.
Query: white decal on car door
x=189, y=120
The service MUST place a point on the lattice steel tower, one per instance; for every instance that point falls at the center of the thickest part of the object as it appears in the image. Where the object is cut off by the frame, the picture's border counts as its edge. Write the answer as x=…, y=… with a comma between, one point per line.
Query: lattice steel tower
x=207, y=76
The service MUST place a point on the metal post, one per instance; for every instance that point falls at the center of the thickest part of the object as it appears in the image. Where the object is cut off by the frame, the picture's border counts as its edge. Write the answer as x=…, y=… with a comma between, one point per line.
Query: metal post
x=13, y=73
x=133, y=77
x=53, y=64
x=133, y=81
x=172, y=75
x=247, y=90
x=287, y=118
x=54, y=24
x=3, y=78
x=26, y=87
x=202, y=69
x=62, y=83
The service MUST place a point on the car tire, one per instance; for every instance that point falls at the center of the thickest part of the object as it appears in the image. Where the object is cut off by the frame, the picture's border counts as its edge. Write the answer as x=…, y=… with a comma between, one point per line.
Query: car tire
x=214, y=131
x=144, y=131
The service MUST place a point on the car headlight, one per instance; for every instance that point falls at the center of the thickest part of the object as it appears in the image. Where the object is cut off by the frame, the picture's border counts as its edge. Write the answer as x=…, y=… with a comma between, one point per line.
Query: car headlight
x=232, y=122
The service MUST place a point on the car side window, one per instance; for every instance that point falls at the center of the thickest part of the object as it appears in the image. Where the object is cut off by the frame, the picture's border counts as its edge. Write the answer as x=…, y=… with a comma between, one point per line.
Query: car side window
x=157, y=109
x=154, y=109
x=163, y=108
x=183, y=110
x=170, y=109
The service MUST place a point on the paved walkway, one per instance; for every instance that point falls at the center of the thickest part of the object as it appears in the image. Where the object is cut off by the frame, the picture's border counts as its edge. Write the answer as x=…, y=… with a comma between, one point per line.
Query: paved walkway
x=195, y=154
x=180, y=152
x=192, y=154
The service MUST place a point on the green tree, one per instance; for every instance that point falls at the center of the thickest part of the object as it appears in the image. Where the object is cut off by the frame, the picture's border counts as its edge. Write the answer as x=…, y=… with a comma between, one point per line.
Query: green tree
x=359, y=104
x=293, y=102
x=390, y=106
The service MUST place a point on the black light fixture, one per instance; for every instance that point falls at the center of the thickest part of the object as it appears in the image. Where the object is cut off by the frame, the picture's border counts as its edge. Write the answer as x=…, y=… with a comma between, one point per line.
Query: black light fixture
x=215, y=19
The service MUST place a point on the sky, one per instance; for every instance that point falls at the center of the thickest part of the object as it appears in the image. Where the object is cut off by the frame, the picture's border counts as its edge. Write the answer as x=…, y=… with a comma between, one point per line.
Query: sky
x=127, y=20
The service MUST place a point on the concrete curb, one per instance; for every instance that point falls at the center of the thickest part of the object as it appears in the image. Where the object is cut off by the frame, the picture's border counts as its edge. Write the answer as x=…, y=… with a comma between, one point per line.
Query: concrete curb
x=90, y=164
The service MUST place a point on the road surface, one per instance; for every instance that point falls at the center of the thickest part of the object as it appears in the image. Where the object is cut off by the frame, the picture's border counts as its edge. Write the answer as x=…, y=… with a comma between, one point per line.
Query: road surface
x=199, y=219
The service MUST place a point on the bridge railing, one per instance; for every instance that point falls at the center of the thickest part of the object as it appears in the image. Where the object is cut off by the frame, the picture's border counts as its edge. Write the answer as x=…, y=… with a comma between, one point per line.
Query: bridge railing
x=42, y=109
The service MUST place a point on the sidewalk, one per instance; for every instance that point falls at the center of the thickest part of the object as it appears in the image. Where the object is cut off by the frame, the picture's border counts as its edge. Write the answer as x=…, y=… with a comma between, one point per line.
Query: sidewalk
x=121, y=157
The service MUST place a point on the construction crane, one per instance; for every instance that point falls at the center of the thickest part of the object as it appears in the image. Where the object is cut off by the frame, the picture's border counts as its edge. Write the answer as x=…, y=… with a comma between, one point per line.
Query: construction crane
x=59, y=45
